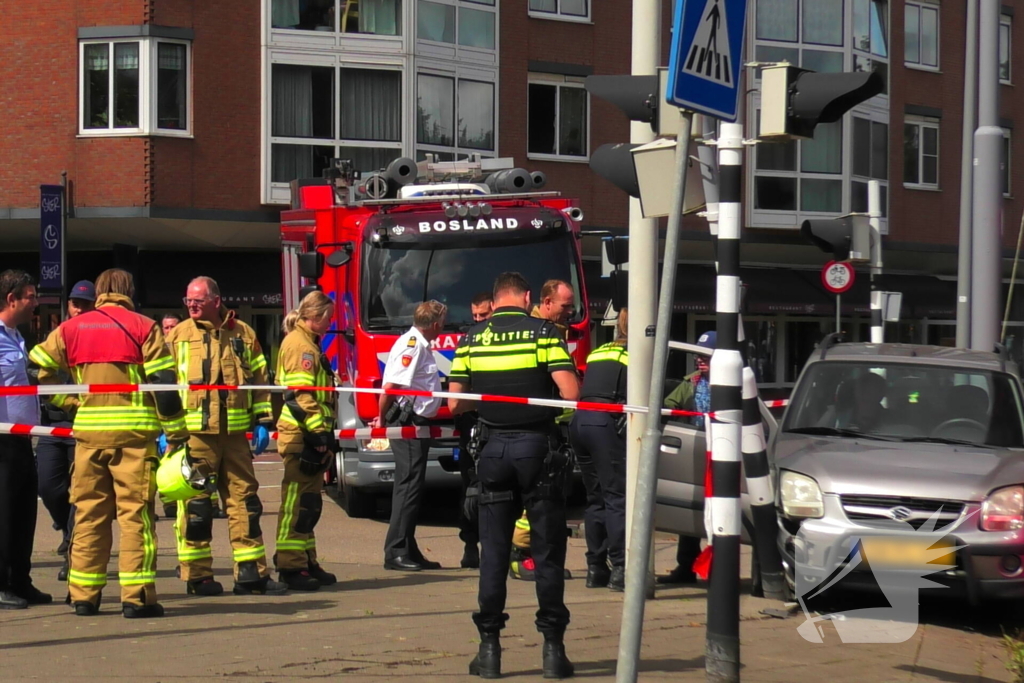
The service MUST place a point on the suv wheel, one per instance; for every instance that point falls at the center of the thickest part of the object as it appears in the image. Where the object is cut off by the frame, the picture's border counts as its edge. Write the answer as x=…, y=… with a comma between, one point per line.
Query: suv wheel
x=358, y=503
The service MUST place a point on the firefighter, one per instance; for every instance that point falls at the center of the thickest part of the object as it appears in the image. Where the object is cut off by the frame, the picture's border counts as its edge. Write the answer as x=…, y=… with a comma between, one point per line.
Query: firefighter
x=516, y=355
x=116, y=455
x=306, y=441
x=599, y=441
x=556, y=306
x=214, y=347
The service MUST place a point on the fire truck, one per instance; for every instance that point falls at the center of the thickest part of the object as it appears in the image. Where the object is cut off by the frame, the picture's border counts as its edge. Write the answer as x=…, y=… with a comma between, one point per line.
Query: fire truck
x=380, y=243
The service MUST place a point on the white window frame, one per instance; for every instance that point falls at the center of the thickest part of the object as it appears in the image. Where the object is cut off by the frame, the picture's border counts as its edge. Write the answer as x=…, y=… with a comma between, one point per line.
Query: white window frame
x=1007, y=21
x=148, y=92
x=1007, y=172
x=456, y=76
x=921, y=8
x=923, y=123
x=336, y=141
x=559, y=82
x=557, y=15
x=459, y=6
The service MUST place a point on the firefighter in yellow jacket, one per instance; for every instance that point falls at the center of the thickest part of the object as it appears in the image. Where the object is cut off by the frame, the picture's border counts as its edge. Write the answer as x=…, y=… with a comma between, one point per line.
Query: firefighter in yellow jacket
x=306, y=441
x=213, y=347
x=115, y=453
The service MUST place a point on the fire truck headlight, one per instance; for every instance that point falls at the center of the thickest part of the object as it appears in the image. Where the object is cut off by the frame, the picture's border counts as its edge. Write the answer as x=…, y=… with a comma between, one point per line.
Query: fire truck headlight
x=463, y=210
x=474, y=210
x=449, y=210
x=485, y=209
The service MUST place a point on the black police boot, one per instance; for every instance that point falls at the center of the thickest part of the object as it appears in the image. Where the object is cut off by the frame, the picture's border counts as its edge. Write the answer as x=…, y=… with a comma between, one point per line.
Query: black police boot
x=555, y=663
x=617, y=580
x=597, y=576
x=487, y=663
x=205, y=587
x=132, y=611
x=324, y=578
x=300, y=580
x=33, y=595
x=471, y=557
x=10, y=600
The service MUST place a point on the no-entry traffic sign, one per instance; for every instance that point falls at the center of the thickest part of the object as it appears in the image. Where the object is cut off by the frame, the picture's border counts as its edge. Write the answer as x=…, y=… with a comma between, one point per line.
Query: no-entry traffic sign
x=837, y=276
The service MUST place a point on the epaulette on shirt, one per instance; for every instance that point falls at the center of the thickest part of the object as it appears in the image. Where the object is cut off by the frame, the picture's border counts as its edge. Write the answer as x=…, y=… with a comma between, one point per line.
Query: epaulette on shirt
x=411, y=343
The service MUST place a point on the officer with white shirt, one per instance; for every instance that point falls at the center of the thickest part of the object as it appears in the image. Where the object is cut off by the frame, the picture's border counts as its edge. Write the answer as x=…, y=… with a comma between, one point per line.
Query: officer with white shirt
x=410, y=366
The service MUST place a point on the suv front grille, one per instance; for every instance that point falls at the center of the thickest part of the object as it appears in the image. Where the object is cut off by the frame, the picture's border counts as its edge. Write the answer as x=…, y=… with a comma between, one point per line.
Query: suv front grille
x=913, y=511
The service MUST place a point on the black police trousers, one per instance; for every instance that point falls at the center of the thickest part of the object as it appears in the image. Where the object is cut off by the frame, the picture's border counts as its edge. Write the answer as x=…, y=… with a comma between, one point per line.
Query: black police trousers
x=17, y=511
x=601, y=454
x=407, y=496
x=54, y=456
x=513, y=463
x=468, y=525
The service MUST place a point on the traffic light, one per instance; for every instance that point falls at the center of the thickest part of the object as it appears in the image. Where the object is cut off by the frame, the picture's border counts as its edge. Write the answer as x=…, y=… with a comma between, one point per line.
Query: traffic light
x=847, y=238
x=614, y=163
x=794, y=100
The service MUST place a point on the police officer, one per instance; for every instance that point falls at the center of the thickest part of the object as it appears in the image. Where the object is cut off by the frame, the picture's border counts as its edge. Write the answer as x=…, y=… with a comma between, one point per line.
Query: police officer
x=480, y=308
x=214, y=347
x=599, y=440
x=410, y=365
x=516, y=355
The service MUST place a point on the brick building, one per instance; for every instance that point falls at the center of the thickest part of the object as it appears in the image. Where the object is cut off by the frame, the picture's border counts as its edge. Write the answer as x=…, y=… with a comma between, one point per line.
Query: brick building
x=179, y=125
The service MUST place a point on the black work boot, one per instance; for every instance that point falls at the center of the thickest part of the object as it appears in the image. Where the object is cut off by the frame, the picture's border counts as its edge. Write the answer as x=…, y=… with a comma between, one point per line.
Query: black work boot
x=617, y=579
x=556, y=664
x=207, y=587
x=299, y=580
x=487, y=663
x=324, y=578
x=62, y=575
x=597, y=576
x=471, y=557
x=265, y=586
x=132, y=611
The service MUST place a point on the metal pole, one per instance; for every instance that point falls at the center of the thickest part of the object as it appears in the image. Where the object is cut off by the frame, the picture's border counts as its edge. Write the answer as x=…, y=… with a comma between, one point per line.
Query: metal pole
x=838, y=305
x=722, y=648
x=986, y=232
x=709, y=175
x=963, y=282
x=875, y=221
x=643, y=262
x=640, y=543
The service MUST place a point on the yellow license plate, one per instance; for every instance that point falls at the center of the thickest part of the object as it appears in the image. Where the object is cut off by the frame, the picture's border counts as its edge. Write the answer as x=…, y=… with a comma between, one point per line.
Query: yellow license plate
x=906, y=552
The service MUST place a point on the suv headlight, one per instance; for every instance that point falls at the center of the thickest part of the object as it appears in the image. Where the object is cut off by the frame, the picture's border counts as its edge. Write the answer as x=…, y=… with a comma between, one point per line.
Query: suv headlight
x=1003, y=509
x=801, y=496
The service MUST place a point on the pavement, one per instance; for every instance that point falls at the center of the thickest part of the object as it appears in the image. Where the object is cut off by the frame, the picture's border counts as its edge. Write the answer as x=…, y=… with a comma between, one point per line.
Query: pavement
x=378, y=624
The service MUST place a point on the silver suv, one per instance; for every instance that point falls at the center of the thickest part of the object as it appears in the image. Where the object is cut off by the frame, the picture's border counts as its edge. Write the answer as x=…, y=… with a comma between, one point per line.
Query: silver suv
x=881, y=436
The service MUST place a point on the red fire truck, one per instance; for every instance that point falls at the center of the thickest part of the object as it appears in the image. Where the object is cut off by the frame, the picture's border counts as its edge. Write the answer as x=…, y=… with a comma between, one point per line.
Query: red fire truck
x=381, y=243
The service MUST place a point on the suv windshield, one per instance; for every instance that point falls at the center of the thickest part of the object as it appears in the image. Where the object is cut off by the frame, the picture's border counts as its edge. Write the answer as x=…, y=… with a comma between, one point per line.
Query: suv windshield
x=396, y=278
x=907, y=402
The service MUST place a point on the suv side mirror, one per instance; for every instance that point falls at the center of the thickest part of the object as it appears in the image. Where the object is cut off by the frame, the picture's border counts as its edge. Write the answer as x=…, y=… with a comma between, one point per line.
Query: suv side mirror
x=311, y=265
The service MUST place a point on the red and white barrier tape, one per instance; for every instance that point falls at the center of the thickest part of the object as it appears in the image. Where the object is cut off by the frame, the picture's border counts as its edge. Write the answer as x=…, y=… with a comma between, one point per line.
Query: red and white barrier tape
x=80, y=389
x=422, y=432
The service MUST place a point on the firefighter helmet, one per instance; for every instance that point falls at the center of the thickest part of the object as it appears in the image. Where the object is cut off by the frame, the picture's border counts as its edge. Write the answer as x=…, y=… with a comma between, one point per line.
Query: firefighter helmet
x=181, y=477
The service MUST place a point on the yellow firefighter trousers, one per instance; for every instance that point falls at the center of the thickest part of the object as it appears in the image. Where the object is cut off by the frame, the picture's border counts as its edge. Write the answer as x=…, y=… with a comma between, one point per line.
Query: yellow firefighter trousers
x=301, y=504
x=230, y=456
x=108, y=483
x=521, y=536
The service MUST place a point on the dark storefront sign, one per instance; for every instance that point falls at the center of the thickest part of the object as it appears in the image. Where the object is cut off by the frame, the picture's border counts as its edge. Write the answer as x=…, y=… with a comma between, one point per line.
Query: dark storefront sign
x=245, y=278
x=51, y=238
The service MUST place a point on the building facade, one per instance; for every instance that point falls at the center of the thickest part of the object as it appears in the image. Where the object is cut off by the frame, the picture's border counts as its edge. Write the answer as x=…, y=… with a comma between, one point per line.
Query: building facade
x=180, y=124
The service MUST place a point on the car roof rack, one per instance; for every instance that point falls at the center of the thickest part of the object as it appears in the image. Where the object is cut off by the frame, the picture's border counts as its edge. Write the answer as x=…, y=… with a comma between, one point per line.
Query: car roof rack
x=829, y=341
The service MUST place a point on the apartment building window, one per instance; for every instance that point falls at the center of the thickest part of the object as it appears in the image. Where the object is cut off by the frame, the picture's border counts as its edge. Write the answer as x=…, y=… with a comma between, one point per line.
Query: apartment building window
x=921, y=153
x=1005, y=44
x=921, y=35
x=1005, y=162
x=820, y=30
x=322, y=112
x=573, y=10
x=804, y=175
x=466, y=23
x=375, y=17
x=558, y=120
x=871, y=38
x=870, y=162
x=454, y=116
x=133, y=87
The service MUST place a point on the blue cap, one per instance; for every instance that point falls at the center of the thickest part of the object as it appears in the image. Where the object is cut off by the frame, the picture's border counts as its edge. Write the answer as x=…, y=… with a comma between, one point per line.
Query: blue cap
x=83, y=290
x=708, y=339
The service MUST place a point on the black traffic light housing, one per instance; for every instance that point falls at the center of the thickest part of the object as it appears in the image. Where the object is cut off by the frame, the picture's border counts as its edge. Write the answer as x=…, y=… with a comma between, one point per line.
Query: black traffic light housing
x=614, y=163
x=847, y=238
x=794, y=100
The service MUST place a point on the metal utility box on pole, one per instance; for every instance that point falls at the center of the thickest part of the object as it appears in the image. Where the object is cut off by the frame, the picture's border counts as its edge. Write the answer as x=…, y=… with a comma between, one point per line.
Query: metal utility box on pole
x=986, y=229
x=963, y=280
x=875, y=223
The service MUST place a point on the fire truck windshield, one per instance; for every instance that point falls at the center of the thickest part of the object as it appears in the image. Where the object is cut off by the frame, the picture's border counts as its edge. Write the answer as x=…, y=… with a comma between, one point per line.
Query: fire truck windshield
x=396, y=278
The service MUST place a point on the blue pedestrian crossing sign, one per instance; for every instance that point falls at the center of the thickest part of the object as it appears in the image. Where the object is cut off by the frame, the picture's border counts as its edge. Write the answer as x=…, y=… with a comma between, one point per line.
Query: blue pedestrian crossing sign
x=707, y=53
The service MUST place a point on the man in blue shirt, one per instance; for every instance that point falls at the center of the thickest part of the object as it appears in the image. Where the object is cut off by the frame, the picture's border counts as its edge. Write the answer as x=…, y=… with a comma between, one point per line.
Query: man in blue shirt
x=18, y=480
